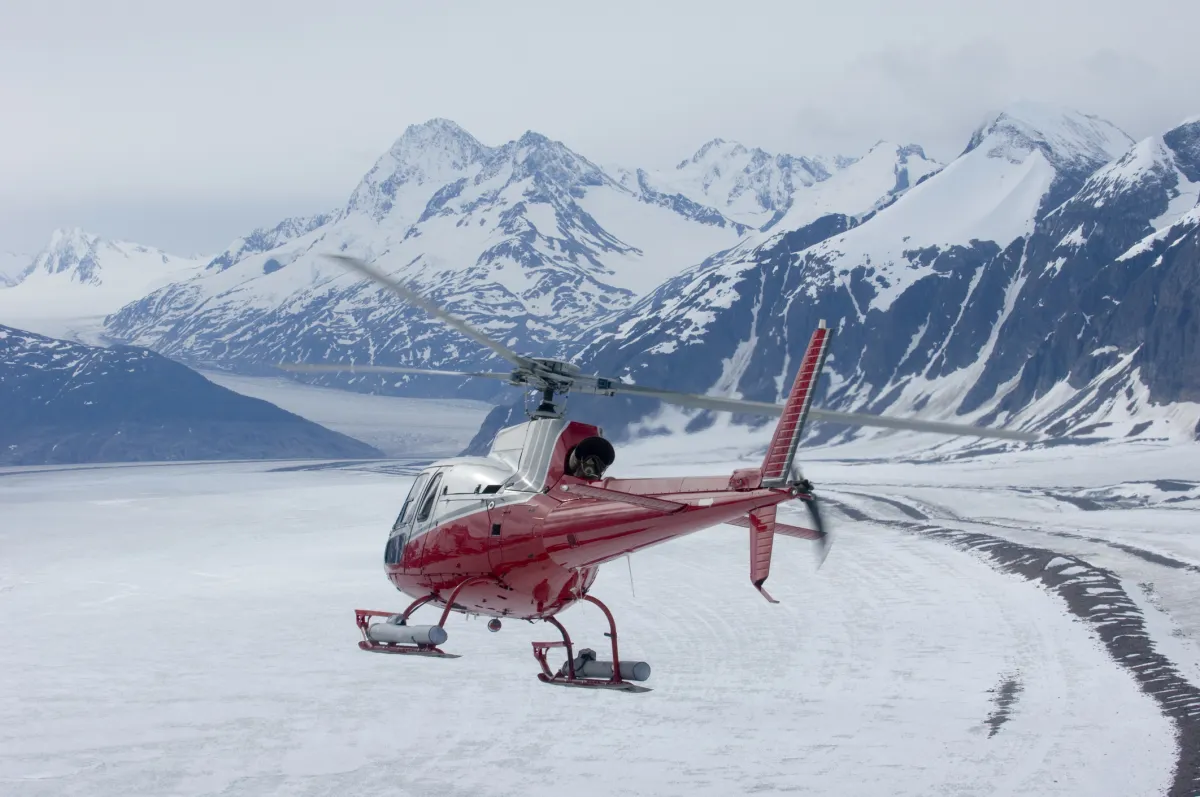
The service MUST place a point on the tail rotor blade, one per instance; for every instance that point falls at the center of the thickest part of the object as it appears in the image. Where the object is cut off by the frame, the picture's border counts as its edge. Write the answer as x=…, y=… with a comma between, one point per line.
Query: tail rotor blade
x=823, y=540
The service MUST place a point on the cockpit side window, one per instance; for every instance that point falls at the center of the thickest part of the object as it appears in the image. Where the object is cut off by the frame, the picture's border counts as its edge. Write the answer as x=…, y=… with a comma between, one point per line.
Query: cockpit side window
x=429, y=499
x=413, y=494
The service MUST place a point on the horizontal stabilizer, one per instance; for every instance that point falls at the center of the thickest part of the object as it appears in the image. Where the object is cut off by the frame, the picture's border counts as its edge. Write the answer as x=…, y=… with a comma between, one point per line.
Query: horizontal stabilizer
x=787, y=530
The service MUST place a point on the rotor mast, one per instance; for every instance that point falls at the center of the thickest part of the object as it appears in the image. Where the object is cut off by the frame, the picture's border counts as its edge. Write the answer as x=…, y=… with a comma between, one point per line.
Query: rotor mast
x=548, y=408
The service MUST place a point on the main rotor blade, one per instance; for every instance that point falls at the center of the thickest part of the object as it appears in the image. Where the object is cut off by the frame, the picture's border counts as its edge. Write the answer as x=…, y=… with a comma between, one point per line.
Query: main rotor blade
x=595, y=384
x=414, y=298
x=833, y=416
x=689, y=399
x=383, y=369
x=914, y=425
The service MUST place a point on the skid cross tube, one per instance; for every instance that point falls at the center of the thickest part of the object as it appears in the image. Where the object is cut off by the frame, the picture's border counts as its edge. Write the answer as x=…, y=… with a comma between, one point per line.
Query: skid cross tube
x=566, y=643
x=412, y=607
x=612, y=625
x=454, y=594
x=568, y=675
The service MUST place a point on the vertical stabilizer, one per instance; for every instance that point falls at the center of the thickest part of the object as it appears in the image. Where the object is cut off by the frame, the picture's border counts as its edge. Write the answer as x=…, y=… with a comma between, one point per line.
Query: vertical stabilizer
x=781, y=454
x=762, y=540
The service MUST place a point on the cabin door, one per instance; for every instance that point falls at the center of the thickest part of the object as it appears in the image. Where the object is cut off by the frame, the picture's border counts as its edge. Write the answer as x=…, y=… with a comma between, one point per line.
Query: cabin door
x=497, y=515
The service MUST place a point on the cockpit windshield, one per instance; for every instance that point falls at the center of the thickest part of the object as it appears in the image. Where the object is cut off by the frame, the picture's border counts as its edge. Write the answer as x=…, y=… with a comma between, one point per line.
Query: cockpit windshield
x=427, y=502
x=406, y=511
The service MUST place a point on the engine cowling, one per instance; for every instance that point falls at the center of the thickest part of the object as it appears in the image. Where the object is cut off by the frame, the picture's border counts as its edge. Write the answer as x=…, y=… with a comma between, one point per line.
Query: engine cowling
x=590, y=458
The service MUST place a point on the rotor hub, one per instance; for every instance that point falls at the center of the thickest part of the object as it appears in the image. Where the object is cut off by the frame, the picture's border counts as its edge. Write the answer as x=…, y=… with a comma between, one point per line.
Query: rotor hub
x=547, y=366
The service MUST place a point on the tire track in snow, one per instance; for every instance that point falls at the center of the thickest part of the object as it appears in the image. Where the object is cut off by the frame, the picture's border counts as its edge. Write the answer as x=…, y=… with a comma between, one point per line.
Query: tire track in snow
x=918, y=511
x=1096, y=596
x=1033, y=755
x=1153, y=557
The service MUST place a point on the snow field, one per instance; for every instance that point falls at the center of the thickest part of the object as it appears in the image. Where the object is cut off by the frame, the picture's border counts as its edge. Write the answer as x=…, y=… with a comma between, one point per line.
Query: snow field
x=188, y=629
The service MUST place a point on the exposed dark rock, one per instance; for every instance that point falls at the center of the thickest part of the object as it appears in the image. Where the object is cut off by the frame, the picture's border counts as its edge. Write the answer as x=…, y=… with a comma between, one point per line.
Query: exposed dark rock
x=1098, y=597
x=1004, y=697
x=63, y=402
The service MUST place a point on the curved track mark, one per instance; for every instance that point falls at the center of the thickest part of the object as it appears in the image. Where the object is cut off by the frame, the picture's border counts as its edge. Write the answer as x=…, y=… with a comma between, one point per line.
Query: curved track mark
x=1097, y=596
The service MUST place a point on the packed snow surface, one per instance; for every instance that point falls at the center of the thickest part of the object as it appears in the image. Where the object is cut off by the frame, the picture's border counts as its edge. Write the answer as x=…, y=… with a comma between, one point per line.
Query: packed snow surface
x=187, y=629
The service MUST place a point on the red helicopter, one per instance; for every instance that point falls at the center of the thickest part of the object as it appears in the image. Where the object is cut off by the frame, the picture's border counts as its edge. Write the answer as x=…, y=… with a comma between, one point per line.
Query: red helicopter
x=522, y=532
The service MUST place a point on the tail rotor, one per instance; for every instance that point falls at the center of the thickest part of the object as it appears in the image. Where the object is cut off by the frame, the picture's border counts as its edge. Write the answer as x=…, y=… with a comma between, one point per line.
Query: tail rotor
x=822, y=537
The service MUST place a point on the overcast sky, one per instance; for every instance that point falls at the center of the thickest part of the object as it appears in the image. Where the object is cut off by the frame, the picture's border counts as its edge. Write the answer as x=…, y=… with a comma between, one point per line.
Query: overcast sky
x=185, y=124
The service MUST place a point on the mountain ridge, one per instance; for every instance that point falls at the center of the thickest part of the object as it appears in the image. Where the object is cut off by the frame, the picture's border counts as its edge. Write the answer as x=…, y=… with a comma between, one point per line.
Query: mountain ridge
x=82, y=275
x=65, y=402
x=956, y=288
x=980, y=324
x=528, y=239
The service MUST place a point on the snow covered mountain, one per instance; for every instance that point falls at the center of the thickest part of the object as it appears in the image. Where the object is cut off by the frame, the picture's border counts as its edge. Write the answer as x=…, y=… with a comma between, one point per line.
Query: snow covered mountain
x=82, y=276
x=264, y=240
x=1045, y=278
x=1113, y=282
x=1002, y=287
x=12, y=266
x=528, y=240
x=66, y=402
x=748, y=186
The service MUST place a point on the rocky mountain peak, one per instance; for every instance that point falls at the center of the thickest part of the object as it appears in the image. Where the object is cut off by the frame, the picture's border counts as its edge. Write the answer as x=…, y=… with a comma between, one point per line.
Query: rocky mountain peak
x=748, y=185
x=1184, y=141
x=431, y=153
x=549, y=163
x=1157, y=180
x=70, y=250
x=263, y=239
x=1068, y=139
x=715, y=149
x=13, y=267
x=437, y=135
x=72, y=237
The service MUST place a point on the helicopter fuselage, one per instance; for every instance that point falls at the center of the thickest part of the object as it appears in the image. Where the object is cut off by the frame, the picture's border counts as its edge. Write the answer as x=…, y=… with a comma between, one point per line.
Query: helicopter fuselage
x=529, y=536
x=521, y=532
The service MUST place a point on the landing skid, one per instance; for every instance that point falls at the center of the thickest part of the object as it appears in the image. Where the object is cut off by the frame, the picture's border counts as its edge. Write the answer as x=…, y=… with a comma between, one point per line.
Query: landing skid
x=592, y=683
x=411, y=643
x=581, y=672
x=407, y=650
